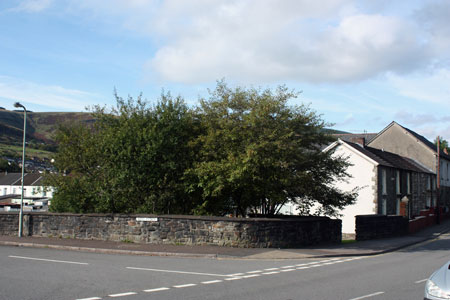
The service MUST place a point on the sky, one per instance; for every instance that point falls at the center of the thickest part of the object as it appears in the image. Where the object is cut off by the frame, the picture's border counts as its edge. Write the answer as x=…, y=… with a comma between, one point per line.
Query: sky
x=359, y=64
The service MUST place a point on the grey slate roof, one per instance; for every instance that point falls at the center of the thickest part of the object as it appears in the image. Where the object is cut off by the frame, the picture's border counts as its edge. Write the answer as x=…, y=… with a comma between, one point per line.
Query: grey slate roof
x=390, y=159
x=351, y=137
x=29, y=179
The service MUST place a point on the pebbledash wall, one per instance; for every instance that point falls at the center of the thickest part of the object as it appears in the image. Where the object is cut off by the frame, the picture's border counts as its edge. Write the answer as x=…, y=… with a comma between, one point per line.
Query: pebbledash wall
x=169, y=229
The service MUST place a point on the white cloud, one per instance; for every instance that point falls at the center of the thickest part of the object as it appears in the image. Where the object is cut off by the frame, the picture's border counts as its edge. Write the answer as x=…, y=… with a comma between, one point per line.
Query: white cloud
x=46, y=95
x=287, y=47
x=33, y=6
x=272, y=41
x=427, y=87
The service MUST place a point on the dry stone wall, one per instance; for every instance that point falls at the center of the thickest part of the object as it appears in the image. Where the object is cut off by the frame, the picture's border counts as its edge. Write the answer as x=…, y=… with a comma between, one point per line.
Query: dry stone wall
x=186, y=230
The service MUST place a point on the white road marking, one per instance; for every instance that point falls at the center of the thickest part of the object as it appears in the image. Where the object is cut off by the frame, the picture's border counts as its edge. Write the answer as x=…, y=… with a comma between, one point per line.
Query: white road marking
x=251, y=276
x=303, y=268
x=184, y=285
x=178, y=272
x=271, y=269
x=368, y=296
x=253, y=272
x=157, y=290
x=92, y=298
x=211, y=281
x=287, y=270
x=49, y=260
x=310, y=263
x=287, y=267
x=122, y=294
x=422, y=280
x=233, y=278
x=270, y=273
x=235, y=274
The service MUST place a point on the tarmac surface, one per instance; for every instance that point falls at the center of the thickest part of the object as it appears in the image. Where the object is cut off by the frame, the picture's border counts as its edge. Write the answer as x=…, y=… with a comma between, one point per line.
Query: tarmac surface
x=371, y=247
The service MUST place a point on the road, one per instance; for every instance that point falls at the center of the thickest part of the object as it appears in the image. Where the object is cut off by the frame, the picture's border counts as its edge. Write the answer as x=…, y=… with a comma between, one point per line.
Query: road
x=30, y=273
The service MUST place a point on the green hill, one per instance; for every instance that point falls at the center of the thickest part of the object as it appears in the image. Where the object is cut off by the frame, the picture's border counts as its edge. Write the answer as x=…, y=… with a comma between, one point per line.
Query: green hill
x=41, y=127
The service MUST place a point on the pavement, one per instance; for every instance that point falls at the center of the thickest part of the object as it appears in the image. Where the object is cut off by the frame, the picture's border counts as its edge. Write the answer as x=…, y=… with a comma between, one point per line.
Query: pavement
x=356, y=248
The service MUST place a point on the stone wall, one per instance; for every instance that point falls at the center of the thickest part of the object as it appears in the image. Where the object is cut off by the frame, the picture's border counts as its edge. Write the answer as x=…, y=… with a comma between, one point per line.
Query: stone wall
x=370, y=227
x=187, y=230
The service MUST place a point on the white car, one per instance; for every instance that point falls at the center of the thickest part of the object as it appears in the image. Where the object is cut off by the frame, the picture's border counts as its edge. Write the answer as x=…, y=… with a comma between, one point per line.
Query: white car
x=438, y=285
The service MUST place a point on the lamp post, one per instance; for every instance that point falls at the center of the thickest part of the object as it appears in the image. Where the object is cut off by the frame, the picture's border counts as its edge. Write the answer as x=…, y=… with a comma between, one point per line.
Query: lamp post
x=17, y=105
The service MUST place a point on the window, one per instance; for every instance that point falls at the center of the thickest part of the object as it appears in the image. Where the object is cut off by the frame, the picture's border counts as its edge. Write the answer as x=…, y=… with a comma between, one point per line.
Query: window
x=383, y=206
x=397, y=209
x=5, y=191
x=429, y=183
x=397, y=183
x=408, y=183
x=14, y=190
x=383, y=182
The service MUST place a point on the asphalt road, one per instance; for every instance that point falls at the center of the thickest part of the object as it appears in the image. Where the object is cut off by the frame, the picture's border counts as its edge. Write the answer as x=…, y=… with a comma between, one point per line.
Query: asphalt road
x=30, y=273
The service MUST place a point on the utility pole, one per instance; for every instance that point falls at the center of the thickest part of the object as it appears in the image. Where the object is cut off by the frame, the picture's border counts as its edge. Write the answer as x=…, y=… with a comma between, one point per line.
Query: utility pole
x=438, y=181
x=18, y=105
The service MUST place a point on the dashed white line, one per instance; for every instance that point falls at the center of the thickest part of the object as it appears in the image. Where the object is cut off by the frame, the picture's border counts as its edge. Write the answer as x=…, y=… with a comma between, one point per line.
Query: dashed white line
x=211, y=281
x=368, y=296
x=251, y=276
x=303, y=268
x=422, y=280
x=270, y=273
x=287, y=270
x=287, y=267
x=235, y=274
x=271, y=269
x=122, y=294
x=184, y=285
x=178, y=272
x=157, y=290
x=233, y=278
x=49, y=260
x=92, y=298
x=254, y=272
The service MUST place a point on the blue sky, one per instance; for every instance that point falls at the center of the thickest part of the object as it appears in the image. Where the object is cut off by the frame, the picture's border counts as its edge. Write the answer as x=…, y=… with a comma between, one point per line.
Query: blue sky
x=360, y=64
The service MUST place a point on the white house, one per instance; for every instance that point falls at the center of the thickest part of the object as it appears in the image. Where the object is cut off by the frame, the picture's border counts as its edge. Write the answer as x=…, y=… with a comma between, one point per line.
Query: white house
x=388, y=183
x=35, y=193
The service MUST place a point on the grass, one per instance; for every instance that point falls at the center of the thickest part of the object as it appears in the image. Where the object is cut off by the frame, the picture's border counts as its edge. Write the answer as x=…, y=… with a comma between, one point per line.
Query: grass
x=345, y=242
x=16, y=151
x=127, y=241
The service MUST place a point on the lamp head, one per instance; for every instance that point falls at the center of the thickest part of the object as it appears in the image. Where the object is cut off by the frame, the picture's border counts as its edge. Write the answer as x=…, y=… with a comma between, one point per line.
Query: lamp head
x=17, y=104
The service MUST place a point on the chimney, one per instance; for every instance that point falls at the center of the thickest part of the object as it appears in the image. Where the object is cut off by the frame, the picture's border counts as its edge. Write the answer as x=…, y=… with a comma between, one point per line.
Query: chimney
x=358, y=140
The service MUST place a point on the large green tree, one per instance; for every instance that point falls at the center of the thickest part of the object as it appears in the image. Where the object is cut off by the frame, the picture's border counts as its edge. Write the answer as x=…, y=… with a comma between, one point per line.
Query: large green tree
x=240, y=151
x=258, y=152
x=131, y=161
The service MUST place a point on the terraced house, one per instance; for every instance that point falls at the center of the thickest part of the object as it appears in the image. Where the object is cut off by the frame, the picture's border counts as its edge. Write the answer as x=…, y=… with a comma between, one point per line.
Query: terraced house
x=36, y=195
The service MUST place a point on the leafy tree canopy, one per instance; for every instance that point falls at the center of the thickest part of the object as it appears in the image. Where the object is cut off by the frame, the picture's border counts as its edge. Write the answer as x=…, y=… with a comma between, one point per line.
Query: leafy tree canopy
x=131, y=161
x=240, y=151
x=258, y=153
x=443, y=144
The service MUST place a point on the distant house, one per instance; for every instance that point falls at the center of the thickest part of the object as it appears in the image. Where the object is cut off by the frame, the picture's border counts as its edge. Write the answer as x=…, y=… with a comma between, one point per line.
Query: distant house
x=388, y=183
x=36, y=195
x=405, y=142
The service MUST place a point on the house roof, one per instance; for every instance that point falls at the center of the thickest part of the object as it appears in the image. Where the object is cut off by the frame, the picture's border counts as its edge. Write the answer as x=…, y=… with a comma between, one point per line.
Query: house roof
x=351, y=137
x=419, y=137
x=29, y=179
x=389, y=159
x=9, y=178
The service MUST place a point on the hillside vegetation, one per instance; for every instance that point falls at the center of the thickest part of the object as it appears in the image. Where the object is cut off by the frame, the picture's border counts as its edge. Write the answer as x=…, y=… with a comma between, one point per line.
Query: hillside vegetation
x=41, y=127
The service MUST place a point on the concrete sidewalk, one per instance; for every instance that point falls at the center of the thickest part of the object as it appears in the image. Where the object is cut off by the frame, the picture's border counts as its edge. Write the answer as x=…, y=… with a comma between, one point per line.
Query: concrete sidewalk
x=371, y=247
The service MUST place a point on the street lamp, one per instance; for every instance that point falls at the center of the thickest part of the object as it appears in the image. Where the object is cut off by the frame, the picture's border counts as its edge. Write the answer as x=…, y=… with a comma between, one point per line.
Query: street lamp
x=17, y=105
